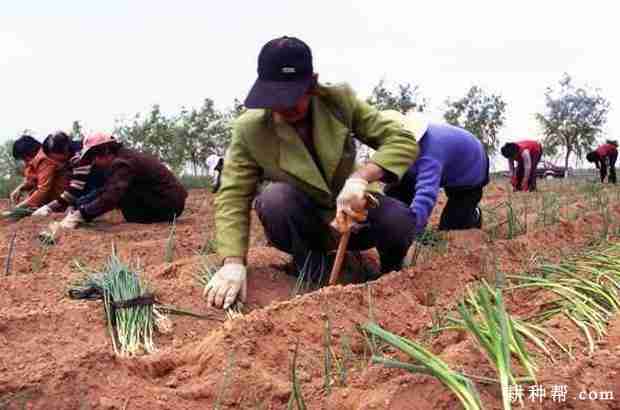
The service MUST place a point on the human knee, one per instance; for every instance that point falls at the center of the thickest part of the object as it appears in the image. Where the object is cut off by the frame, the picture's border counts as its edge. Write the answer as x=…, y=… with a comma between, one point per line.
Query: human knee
x=393, y=219
x=278, y=200
x=277, y=194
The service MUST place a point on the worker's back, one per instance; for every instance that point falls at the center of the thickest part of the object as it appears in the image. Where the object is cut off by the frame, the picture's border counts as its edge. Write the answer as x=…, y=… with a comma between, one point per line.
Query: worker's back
x=461, y=155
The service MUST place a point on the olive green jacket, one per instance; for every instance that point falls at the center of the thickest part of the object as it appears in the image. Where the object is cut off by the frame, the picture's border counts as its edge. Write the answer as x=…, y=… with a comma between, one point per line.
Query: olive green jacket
x=264, y=148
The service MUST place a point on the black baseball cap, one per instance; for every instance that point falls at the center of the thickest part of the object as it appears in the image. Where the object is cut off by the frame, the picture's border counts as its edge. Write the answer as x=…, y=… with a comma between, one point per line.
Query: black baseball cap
x=285, y=73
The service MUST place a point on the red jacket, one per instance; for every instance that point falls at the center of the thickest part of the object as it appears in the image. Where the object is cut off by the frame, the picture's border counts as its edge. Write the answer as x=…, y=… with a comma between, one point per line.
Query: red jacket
x=533, y=147
x=46, y=178
x=606, y=149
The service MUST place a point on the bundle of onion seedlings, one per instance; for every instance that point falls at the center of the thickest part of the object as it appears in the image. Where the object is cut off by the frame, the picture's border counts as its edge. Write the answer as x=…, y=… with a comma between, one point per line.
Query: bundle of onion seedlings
x=129, y=306
x=206, y=271
x=425, y=363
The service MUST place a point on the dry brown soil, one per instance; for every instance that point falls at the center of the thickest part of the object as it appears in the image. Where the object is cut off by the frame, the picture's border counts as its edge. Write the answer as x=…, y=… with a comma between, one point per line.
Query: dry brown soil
x=55, y=353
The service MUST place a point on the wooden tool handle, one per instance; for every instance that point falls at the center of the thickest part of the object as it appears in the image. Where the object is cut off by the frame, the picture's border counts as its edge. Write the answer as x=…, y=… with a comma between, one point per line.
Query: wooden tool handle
x=342, y=251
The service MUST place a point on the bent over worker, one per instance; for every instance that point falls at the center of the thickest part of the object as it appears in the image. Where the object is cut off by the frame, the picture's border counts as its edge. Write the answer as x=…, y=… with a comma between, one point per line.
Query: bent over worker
x=138, y=184
x=44, y=178
x=452, y=158
x=301, y=135
x=83, y=177
x=527, y=154
x=605, y=156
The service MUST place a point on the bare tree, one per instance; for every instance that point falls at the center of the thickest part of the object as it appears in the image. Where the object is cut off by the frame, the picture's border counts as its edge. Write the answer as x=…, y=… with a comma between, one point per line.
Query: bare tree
x=573, y=119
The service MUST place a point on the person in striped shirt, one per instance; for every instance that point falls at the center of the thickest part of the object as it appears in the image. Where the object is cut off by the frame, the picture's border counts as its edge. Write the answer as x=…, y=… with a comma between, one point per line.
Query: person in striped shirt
x=84, y=178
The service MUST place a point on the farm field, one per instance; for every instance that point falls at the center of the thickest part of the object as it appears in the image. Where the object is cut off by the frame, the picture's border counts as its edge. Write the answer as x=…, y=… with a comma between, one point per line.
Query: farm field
x=55, y=352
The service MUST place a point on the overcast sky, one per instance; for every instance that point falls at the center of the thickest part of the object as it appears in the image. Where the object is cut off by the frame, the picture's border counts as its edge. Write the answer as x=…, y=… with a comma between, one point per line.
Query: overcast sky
x=64, y=60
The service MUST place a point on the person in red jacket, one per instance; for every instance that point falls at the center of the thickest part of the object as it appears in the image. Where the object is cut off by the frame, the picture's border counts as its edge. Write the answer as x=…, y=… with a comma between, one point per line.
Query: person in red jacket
x=604, y=156
x=44, y=177
x=527, y=154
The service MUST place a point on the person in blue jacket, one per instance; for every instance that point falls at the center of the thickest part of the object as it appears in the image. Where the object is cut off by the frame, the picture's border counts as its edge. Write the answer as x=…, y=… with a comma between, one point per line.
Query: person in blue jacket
x=453, y=159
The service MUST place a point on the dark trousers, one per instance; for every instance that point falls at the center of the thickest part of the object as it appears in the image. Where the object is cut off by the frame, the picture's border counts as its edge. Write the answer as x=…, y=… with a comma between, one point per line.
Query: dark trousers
x=611, y=158
x=139, y=207
x=293, y=224
x=461, y=210
x=531, y=182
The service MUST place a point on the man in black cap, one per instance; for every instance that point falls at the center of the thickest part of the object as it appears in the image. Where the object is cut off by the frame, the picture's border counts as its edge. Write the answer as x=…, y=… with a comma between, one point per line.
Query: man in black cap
x=300, y=135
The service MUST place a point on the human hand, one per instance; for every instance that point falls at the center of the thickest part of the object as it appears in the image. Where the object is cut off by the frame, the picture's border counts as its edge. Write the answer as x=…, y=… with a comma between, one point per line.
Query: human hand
x=15, y=195
x=228, y=282
x=43, y=211
x=351, y=199
x=72, y=219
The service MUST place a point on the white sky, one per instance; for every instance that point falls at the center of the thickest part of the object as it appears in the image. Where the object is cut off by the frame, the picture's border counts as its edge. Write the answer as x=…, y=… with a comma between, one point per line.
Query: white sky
x=63, y=60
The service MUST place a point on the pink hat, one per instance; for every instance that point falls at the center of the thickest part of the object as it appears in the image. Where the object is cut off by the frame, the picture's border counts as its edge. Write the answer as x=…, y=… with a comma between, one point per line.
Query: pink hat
x=95, y=139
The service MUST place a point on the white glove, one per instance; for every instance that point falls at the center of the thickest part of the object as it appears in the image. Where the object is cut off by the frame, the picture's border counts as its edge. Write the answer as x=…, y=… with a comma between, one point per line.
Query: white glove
x=43, y=211
x=351, y=200
x=226, y=284
x=71, y=220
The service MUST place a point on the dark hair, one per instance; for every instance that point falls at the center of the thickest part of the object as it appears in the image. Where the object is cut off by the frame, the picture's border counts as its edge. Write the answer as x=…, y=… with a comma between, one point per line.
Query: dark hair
x=25, y=146
x=56, y=143
x=510, y=149
x=592, y=156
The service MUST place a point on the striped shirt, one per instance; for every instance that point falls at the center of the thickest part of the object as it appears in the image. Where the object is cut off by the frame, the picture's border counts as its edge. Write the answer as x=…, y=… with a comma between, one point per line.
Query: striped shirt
x=80, y=171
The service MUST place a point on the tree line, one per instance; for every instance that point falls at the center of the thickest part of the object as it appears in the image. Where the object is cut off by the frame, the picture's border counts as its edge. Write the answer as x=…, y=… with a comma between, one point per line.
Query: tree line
x=573, y=119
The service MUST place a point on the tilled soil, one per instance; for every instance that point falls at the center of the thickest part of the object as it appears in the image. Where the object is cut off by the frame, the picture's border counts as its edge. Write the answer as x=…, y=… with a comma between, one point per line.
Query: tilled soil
x=55, y=353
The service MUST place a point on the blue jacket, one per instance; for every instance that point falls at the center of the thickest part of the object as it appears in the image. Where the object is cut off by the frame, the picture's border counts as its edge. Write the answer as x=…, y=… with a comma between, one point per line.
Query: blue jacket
x=449, y=157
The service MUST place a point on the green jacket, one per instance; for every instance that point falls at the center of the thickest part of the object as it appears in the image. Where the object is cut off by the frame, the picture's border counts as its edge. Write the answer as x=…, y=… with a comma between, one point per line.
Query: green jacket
x=262, y=148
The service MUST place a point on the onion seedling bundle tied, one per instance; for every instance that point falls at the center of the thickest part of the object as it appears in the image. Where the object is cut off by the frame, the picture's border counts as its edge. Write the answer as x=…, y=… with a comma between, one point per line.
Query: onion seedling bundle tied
x=129, y=306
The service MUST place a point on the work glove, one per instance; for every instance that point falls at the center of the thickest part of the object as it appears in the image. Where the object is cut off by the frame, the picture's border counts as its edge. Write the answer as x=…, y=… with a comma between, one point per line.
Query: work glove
x=72, y=220
x=226, y=284
x=351, y=200
x=43, y=211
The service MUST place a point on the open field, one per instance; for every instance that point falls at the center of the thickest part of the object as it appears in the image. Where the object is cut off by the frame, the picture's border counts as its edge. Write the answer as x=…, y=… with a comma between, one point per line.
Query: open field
x=55, y=353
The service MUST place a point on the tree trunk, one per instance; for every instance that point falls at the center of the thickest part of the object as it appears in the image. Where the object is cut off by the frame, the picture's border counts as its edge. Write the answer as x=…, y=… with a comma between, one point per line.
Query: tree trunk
x=569, y=150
